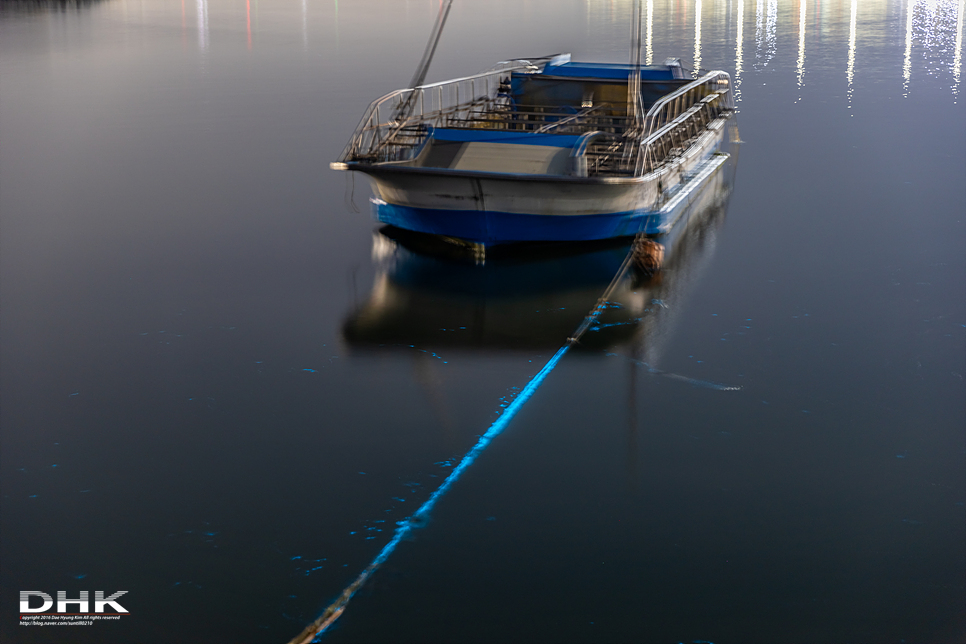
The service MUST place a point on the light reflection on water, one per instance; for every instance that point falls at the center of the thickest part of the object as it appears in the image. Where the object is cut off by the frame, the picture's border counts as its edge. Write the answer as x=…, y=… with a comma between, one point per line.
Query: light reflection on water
x=196, y=406
x=932, y=27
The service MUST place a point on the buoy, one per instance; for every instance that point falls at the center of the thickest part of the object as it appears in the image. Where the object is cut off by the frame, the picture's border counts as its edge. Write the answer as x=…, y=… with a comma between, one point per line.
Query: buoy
x=648, y=255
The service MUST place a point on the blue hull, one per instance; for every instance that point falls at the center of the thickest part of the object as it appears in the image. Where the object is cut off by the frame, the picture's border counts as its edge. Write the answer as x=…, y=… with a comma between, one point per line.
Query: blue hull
x=491, y=228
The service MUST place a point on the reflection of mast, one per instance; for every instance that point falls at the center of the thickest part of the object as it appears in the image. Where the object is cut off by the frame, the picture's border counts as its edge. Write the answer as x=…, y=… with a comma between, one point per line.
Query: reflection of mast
x=635, y=109
x=432, y=385
x=632, y=416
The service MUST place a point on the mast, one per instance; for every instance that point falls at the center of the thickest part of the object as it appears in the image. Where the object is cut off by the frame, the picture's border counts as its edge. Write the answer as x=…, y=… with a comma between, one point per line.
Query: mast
x=405, y=108
x=635, y=110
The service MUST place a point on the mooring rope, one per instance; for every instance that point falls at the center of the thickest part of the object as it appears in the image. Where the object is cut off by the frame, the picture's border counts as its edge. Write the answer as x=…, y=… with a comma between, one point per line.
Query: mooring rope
x=421, y=515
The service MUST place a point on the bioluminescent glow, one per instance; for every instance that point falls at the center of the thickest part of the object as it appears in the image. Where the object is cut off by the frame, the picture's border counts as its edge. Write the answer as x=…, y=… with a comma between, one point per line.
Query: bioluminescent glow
x=420, y=517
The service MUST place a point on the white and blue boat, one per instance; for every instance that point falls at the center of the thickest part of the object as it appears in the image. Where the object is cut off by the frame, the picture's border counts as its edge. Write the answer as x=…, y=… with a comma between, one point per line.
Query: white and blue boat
x=543, y=149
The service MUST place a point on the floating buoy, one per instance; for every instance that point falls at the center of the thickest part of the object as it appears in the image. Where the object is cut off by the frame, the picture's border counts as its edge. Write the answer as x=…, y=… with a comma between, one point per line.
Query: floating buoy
x=648, y=255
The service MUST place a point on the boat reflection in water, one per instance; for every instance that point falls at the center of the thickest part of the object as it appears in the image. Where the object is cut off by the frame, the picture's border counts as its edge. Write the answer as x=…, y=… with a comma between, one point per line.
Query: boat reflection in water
x=430, y=294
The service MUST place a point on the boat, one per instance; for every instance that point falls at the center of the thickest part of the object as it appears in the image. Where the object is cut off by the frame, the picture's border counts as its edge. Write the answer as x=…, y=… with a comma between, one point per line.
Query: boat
x=543, y=149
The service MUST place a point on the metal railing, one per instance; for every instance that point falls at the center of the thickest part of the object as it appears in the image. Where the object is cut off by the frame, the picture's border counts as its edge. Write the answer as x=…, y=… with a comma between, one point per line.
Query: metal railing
x=668, y=129
x=670, y=107
x=380, y=136
x=674, y=122
x=675, y=137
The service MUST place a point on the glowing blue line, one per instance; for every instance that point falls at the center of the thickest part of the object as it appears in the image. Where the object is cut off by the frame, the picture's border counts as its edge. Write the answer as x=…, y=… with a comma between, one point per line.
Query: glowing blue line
x=421, y=515
x=419, y=518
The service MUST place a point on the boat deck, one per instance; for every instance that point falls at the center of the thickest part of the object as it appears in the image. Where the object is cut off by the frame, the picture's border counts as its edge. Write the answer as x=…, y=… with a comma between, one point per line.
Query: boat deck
x=506, y=119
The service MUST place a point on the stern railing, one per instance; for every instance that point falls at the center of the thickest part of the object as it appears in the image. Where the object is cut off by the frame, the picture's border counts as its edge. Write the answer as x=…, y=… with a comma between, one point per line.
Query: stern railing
x=675, y=122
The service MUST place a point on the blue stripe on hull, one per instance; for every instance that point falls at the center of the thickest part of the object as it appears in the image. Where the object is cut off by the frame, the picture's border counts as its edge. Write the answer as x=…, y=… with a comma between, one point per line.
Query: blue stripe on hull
x=489, y=228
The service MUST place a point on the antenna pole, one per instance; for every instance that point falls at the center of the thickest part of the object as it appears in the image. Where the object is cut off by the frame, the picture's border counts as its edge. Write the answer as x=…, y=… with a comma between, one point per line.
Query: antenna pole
x=635, y=110
x=406, y=107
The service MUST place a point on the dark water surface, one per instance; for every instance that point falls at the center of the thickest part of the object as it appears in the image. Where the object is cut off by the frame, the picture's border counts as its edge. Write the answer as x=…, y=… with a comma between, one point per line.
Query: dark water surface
x=221, y=387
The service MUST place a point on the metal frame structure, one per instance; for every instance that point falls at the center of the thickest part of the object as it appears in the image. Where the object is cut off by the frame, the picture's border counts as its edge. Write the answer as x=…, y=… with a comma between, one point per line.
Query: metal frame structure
x=620, y=145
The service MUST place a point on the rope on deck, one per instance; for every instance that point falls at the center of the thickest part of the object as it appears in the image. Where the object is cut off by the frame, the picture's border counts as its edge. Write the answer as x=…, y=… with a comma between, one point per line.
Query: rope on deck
x=421, y=515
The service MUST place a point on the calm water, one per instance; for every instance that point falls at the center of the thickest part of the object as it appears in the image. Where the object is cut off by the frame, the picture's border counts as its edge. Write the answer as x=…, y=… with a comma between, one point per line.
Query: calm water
x=221, y=386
